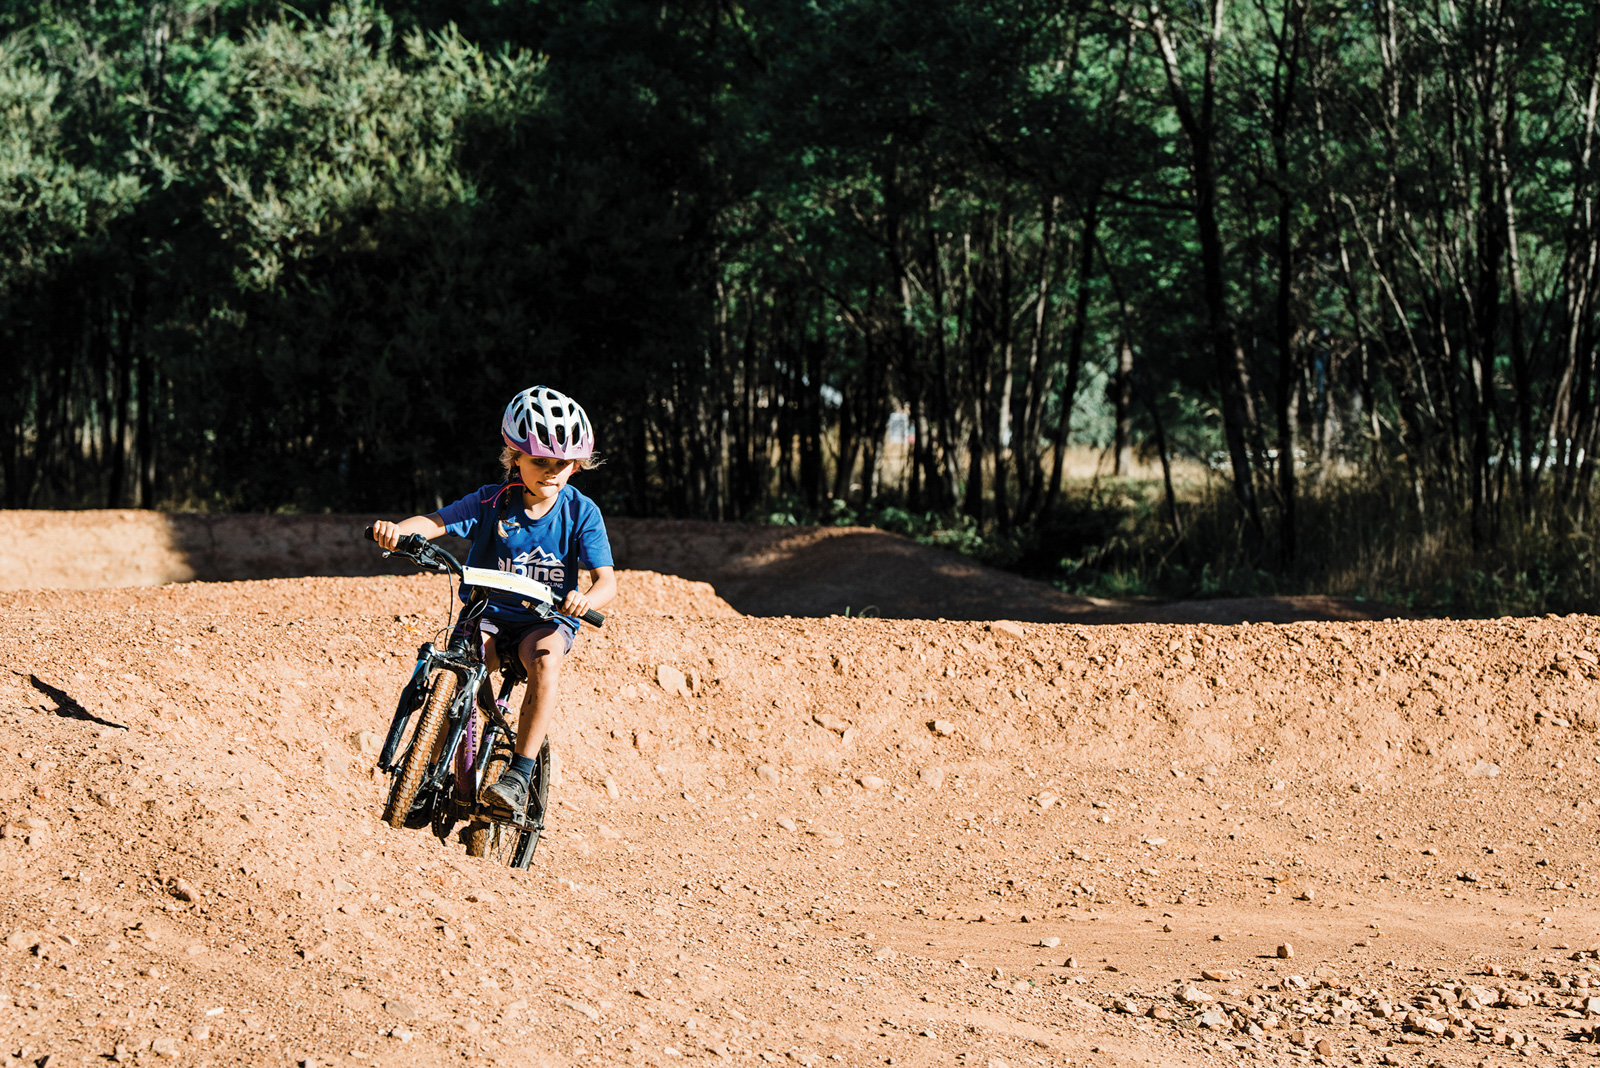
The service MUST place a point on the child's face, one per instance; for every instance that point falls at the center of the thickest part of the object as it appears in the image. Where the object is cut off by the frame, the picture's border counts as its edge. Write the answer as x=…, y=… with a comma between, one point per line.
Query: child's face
x=542, y=476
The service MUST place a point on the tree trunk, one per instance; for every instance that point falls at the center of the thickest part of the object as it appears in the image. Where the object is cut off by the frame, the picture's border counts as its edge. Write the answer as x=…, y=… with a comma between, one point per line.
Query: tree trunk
x=1122, y=405
x=1226, y=356
x=1080, y=318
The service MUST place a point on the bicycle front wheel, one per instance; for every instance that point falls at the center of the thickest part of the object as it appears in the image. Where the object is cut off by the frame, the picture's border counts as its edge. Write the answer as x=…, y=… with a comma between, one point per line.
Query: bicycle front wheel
x=419, y=753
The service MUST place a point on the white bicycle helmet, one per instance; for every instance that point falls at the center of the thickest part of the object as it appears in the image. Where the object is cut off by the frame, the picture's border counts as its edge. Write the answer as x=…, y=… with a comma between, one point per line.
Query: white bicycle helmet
x=543, y=422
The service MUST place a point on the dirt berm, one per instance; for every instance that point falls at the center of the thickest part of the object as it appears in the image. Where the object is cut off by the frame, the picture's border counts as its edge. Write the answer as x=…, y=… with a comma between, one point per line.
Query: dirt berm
x=807, y=840
x=758, y=570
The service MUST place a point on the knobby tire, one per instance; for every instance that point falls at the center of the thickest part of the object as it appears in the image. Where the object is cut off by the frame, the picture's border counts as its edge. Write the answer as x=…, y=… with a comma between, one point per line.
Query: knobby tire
x=420, y=753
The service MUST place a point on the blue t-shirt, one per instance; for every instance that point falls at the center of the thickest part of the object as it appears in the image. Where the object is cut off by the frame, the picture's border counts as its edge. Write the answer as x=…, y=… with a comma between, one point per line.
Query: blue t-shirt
x=550, y=549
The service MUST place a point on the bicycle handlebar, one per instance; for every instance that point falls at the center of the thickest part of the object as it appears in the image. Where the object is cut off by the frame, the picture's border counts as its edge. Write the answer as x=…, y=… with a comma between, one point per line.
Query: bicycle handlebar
x=420, y=549
x=426, y=554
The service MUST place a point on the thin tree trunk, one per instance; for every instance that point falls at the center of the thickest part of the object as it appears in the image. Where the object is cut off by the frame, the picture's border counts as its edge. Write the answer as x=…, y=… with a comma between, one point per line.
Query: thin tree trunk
x=1227, y=357
x=1159, y=427
x=1069, y=387
x=1122, y=404
x=1000, y=444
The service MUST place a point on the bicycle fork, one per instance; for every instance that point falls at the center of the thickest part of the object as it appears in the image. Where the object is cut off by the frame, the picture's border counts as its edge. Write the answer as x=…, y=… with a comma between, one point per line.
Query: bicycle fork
x=462, y=719
x=406, y=707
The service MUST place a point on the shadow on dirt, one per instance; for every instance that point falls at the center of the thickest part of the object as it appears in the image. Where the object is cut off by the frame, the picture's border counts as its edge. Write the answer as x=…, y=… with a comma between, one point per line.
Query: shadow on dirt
x=67, y=707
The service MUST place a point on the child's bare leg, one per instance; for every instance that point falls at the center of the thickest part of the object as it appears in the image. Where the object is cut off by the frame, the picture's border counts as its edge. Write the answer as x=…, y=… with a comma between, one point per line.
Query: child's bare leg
x=542, y=651
x=491, y=661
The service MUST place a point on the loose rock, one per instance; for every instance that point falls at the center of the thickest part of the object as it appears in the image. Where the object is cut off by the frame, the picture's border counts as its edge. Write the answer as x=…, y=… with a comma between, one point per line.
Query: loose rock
x=831, y=722
x=23, y=939
x=672, y=680
x=589, y=1011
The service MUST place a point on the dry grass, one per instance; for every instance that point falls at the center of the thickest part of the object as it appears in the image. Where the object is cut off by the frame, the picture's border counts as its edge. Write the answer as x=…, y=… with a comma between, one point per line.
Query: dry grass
x=1360, y=537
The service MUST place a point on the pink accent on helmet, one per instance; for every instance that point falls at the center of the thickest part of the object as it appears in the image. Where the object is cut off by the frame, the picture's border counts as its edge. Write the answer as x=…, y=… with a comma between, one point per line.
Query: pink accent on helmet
x=543, y=422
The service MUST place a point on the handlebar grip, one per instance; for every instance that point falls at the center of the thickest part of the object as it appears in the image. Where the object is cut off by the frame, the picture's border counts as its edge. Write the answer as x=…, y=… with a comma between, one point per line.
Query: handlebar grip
x=407, y=543
x=593, y=618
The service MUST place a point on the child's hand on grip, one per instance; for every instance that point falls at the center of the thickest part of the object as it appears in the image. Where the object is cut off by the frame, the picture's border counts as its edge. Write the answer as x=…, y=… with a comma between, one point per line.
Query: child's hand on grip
x=386, y=534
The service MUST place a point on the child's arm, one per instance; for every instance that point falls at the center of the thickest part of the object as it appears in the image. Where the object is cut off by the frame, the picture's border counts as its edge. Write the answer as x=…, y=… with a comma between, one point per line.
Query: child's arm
x=599, y=595
x=430, y=526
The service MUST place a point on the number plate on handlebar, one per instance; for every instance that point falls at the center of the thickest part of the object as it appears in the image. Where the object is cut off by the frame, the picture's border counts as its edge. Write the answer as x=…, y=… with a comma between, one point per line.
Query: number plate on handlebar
x=528, y=589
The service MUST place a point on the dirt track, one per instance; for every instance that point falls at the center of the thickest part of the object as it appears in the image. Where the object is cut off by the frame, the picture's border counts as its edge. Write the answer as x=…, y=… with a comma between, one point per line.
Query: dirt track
x=1407, y=803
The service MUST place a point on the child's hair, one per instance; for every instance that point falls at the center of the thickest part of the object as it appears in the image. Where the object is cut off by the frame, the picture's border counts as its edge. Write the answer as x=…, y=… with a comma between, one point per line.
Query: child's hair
x=508, y=462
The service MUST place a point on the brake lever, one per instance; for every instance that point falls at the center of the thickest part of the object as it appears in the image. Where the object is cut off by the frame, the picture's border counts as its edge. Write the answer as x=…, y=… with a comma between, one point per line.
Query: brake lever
x=429, y=558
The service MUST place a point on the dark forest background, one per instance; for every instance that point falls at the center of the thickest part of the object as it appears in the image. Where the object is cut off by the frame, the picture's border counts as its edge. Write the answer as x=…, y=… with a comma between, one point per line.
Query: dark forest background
x=1327, y=268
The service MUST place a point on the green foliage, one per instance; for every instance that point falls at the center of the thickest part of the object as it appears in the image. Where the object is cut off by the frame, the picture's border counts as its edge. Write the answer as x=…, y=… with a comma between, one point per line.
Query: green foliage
x=47, y=202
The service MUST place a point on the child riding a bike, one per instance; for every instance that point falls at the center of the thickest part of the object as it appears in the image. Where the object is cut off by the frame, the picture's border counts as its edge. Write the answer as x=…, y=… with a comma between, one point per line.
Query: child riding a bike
x=537, y=526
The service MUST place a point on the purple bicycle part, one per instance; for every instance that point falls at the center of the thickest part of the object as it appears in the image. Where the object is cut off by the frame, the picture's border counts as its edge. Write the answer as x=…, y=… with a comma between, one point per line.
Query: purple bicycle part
x=466, y=759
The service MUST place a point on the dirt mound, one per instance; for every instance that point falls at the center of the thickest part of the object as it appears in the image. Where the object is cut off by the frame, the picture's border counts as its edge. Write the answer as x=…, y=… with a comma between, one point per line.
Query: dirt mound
x=823, y=571
x=758, y=570
x=124, y=547
x=845, y=838
x=666, y=595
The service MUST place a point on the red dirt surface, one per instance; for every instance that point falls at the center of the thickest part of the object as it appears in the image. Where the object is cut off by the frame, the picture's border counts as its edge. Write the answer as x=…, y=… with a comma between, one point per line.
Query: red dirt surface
x=856, y=841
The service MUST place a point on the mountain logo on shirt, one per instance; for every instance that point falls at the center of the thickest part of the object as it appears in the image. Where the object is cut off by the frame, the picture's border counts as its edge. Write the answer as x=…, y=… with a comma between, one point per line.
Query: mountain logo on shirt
x=539, y=564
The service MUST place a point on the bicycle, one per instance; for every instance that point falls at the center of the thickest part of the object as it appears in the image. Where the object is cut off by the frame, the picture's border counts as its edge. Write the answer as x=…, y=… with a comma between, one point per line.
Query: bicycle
x=439, y=769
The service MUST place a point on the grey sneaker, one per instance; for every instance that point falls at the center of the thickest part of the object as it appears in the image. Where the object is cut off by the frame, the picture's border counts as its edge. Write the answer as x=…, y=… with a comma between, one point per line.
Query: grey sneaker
x=508, y=796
